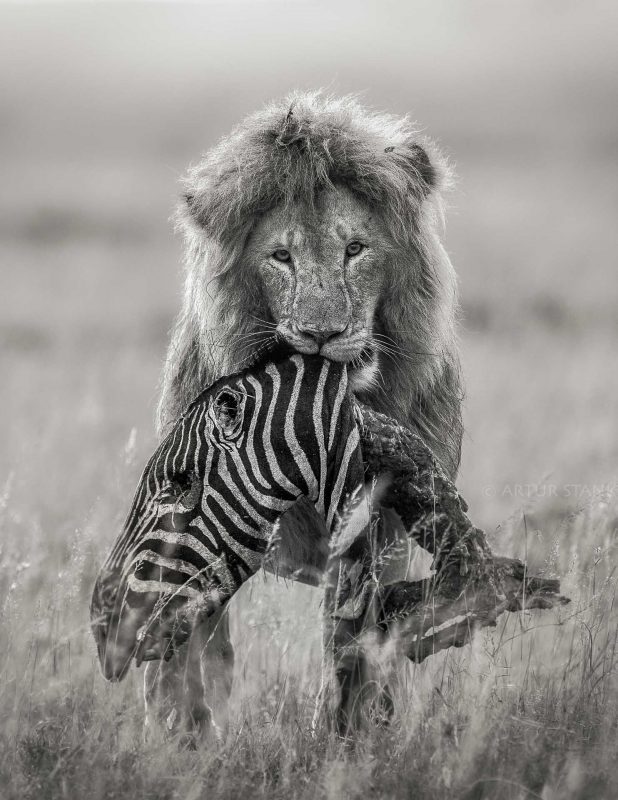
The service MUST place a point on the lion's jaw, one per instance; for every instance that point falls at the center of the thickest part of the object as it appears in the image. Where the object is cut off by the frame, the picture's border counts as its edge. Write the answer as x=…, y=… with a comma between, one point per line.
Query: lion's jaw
x=321, y=293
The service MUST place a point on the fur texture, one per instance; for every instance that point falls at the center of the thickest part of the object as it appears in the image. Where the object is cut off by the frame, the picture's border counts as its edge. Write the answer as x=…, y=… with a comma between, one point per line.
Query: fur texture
x=283, y=155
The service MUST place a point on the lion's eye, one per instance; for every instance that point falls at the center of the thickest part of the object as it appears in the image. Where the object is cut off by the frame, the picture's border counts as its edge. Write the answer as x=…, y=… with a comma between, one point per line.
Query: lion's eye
x=282, y=255
x=353, y=249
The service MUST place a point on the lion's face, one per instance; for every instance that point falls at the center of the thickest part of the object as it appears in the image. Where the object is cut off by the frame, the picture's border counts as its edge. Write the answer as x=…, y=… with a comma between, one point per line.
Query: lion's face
x=322, y=268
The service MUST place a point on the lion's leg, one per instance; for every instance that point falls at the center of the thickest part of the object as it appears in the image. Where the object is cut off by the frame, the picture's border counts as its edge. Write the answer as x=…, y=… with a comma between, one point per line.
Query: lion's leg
x=180, y=694
x=174, y=698
x=351, y=690
x=329, y=699
x=217, y=667
x=352, y=676
x=352, y=684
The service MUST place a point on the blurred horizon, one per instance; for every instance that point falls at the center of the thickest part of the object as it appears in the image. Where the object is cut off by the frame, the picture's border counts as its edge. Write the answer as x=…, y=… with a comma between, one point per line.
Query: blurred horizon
x=105, y=105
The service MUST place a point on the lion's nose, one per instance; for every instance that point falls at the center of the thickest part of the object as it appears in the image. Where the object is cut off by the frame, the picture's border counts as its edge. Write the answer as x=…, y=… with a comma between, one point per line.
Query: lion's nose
x=320, y=335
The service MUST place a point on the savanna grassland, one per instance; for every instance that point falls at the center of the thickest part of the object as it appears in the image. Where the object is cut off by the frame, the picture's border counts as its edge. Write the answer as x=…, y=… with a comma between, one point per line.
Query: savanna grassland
x=102, y=108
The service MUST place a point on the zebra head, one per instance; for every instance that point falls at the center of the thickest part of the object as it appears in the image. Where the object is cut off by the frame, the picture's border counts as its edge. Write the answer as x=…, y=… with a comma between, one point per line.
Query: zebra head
x=209, y=498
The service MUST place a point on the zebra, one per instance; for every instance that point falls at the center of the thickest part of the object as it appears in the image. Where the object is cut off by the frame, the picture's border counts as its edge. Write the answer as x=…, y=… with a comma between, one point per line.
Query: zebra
x=204, y=518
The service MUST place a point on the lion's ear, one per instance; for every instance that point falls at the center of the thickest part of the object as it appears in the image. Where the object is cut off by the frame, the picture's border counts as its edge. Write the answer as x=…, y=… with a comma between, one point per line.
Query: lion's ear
x=424, y=166
x=190, y=207
x=419, y=160
x=189, y=201
x=415, y=160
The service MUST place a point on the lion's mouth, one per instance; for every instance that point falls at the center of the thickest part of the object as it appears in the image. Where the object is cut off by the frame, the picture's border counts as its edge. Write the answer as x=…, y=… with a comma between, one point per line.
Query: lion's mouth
x=363, y=367
x=363, y=370
x=273, y=350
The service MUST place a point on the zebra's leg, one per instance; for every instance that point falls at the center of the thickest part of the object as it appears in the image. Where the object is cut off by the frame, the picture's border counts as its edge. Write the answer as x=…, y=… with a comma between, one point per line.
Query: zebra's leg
x=179, y=693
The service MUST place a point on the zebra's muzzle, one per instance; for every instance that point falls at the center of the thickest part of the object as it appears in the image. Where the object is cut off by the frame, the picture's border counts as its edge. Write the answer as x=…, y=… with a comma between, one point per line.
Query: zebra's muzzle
x=116, y=643
x=141, y=625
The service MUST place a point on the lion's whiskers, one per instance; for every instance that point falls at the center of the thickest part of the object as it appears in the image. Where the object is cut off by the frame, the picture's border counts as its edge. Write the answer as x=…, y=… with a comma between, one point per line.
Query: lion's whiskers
x=267, y=324
x=384, y=342
x=252, y=349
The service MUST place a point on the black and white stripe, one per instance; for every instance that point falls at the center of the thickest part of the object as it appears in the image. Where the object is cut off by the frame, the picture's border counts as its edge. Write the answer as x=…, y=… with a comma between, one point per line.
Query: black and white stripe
x=242, y=454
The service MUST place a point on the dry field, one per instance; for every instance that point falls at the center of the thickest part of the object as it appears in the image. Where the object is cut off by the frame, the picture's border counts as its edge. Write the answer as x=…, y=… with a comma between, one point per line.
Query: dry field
x=102, y=108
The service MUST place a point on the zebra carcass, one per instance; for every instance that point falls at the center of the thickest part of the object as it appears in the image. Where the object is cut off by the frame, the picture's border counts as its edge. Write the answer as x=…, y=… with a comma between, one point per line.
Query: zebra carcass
x=204, y=519
x=206, y=508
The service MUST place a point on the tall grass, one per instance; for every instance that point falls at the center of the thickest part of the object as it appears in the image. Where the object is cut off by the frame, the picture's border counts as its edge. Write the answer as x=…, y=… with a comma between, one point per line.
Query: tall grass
x=530, y=709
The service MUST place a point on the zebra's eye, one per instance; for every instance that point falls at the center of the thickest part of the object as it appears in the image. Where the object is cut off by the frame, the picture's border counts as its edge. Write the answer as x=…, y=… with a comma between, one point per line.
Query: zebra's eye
x=282, y=255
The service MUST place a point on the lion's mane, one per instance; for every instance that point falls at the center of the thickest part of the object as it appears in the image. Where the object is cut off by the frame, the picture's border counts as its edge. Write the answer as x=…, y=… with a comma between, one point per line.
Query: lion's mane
x=286, y=153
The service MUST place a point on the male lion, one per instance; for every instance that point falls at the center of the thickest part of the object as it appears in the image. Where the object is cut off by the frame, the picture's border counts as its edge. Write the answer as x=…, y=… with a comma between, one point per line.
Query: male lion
x=314, y=223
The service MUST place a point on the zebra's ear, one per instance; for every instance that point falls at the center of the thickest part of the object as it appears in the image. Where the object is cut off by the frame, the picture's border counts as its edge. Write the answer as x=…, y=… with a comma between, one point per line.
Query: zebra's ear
x=226, y=408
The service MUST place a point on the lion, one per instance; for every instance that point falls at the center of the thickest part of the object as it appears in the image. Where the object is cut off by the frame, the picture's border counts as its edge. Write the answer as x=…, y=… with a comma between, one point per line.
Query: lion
x=316, y=223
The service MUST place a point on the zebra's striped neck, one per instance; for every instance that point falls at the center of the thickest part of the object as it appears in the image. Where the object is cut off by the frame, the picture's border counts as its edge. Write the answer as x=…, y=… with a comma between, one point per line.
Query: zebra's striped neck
x=207, y=503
